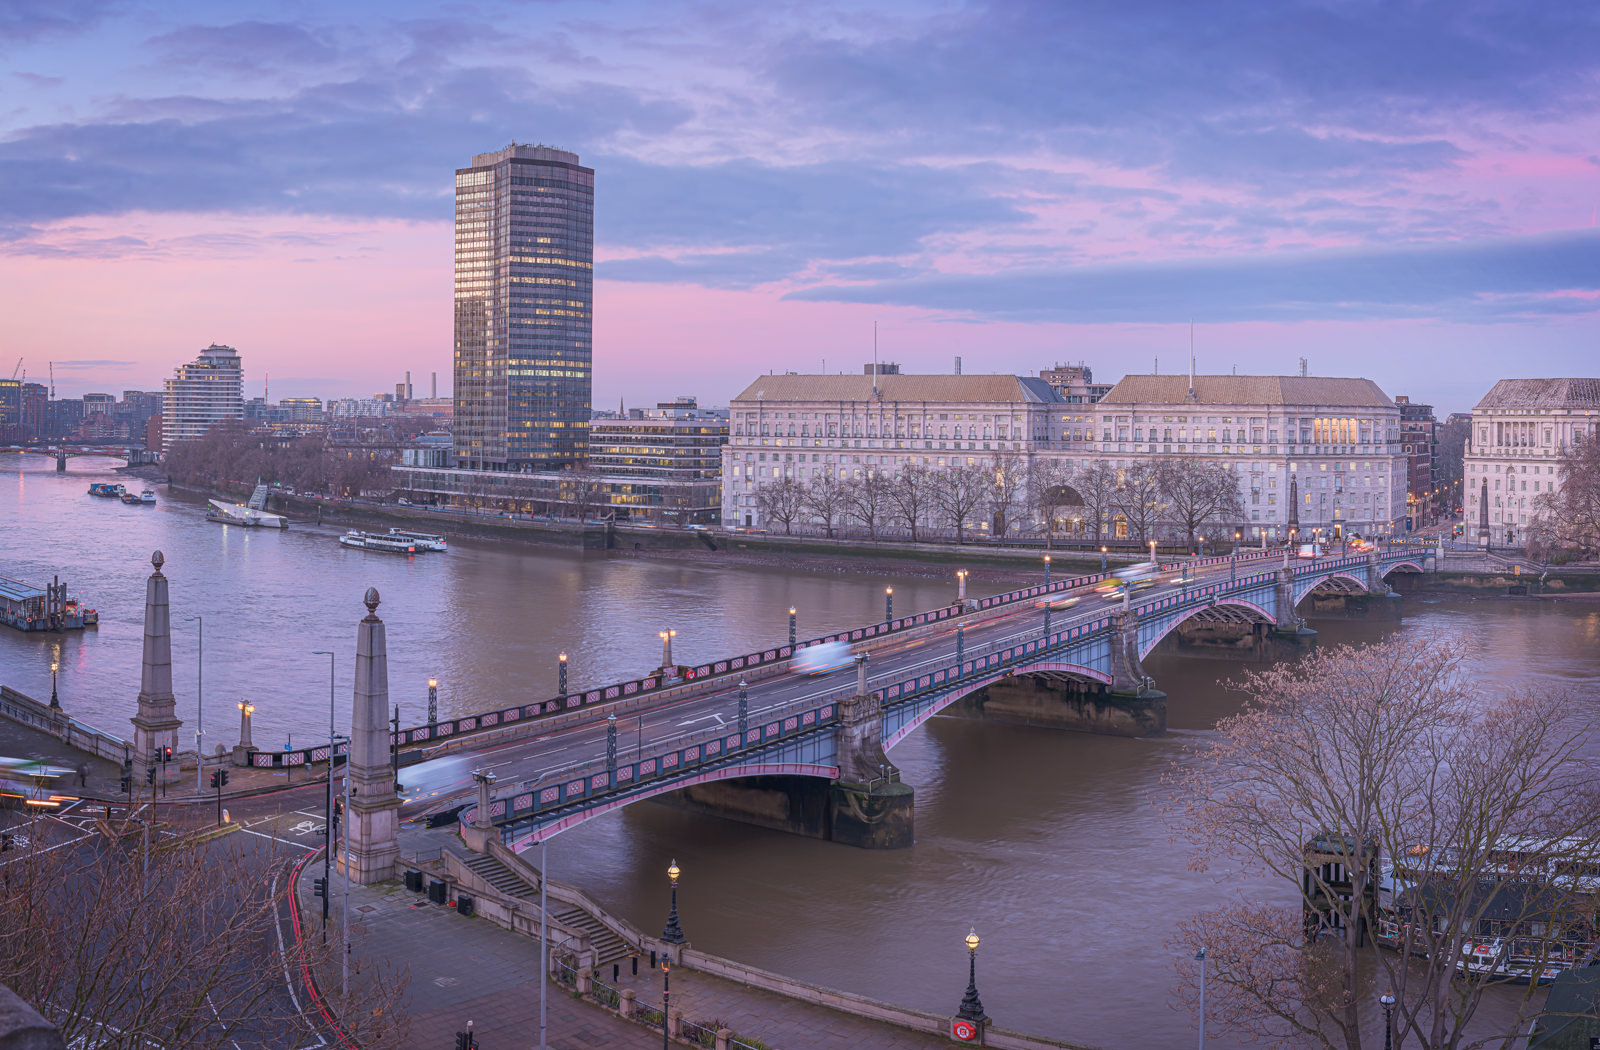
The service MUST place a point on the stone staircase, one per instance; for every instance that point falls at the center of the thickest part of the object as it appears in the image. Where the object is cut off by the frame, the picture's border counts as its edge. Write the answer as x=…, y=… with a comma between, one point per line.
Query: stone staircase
x=608, y=947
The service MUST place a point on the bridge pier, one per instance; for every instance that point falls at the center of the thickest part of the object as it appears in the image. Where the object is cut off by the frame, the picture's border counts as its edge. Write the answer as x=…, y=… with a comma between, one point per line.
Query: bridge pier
x=1385, y=606
x=61, y=460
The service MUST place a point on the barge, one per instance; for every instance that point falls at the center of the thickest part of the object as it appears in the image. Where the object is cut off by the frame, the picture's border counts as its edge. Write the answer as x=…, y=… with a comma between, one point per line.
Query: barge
x=47, y=608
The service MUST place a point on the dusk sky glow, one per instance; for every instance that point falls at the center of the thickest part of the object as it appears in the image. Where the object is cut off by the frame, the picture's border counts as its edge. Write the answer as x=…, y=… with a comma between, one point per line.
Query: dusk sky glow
x=1404, y=191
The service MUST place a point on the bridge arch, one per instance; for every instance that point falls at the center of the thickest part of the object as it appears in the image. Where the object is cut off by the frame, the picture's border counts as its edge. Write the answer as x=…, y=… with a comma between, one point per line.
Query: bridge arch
x=1411, y=566
x=529, y=834
x=1238, y=610
x=967, y=686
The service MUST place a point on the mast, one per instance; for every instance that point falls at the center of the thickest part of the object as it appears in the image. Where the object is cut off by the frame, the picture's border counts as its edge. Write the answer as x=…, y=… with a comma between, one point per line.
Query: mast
x=1191, y=359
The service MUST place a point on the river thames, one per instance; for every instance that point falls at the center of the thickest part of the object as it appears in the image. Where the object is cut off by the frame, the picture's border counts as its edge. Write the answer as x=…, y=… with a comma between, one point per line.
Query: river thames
x=1046, y=842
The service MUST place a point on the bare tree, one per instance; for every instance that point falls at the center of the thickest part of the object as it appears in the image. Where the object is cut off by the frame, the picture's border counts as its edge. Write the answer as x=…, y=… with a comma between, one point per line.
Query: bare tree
x=1415, y=813
x=1198, y=491
x=1008, y=491
x=867, y=499
x=1049, y=486
x=1138, y=498
x=958, y=492
x=175, y=946
x=911, y=495
x=585, y=490
x=781, y=501
x=825, y=498
x=1098, y=486
x=1570, y=517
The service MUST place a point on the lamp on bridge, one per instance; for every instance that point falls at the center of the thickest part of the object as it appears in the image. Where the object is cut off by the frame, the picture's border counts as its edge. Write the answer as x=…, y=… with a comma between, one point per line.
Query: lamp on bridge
x=961, y=585
x=55, y=701
x=433, y=700
x=666, y=650
x=245, y=711
x=1152, y=552
x=1102, y=560
x=971, y=1006
x=888, y=603
x=1047, y=570
x=791, y=626
x=1233, y=558
x=561, y=674
x=673, y=934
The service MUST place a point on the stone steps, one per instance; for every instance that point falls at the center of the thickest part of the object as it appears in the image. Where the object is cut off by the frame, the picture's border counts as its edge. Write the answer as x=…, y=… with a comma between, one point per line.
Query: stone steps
x=608, y=947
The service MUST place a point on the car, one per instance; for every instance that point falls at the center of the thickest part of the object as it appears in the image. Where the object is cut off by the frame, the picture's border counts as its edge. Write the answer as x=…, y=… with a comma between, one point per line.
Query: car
x=1308, y=550
x=1058, y=603
x=822, y=658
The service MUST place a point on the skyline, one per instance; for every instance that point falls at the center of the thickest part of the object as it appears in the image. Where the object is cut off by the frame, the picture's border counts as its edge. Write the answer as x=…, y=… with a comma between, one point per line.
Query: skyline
x=1409, y=195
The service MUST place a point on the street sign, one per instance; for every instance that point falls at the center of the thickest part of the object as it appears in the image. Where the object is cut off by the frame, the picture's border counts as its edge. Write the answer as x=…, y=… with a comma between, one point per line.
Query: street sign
x=963, y=1030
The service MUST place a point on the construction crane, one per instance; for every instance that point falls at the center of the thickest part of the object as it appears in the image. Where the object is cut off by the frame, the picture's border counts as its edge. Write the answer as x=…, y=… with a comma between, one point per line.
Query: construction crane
x=52, y=380
x=17, y=369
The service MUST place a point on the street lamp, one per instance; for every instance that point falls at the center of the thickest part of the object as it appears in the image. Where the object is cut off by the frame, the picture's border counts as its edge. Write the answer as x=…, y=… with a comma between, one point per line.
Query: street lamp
x=55, y=701
x=1047, y=570
x=961, y=585
x=327, y=854
x=888, y=604
x=673, y=934
x=971, y=1006
x=433, y=701
x=561, y=674
x=1387, y=999
x=791, y=626
x=1233, y=557
x=199, y=700
x=1152, y=552
x=1200, y=957
x=245, y=711
x=1102, y=560
x=666, y=648
x=666, y=1001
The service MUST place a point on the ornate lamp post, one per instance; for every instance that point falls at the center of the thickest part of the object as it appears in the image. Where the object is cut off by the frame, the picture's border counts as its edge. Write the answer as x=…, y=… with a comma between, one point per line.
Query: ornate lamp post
x=1102, y=561
x=1387, y=1000
x=961, y=585
x=971, y=1006
x=666, y=648
x=1152, y=552
x=1233, y=558
x=1047, y=570
x=666, y=1002
x=561, y=674
x=433, y=701
x=55, y=701
x=1200, y=957
x=673, y=934
x=791, y=626
x=245, y=711
x=327, y=854
x=888, y=604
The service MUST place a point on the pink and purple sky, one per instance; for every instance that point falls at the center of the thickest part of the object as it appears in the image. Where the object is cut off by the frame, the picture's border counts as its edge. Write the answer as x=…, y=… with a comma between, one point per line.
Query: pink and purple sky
x=1404, y=191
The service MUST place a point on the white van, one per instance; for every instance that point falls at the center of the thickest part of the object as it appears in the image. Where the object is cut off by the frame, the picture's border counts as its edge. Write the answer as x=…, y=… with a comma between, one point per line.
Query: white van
x=821, y=659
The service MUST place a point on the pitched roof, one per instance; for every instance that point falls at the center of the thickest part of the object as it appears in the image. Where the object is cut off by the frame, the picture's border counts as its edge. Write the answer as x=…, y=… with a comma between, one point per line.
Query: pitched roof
x=943, y=388
x=1248, y=390
x=1543, y=393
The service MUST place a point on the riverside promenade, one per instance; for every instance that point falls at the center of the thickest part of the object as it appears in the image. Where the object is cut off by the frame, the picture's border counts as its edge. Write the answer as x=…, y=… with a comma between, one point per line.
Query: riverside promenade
x=468, y=969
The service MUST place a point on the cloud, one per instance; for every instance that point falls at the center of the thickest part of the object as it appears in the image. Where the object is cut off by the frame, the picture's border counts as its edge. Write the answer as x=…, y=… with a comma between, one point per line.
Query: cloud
x=1476, y=280
x=243, y=47
x=28, y=21
x=81, y=364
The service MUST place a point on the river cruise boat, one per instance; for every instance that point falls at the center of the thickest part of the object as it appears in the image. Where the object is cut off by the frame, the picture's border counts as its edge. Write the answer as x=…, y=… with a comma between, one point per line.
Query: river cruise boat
x=1531, y=912
x=47, y=608
x=372, y=541
x=147, y=498
x=424, y=541
x=106, y=490
x=249, y=517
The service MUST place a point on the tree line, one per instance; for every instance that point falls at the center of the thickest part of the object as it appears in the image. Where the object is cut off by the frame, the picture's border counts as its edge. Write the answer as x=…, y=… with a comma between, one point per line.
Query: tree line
x=1012, y=494
x=231, y=453
x=1566, y=523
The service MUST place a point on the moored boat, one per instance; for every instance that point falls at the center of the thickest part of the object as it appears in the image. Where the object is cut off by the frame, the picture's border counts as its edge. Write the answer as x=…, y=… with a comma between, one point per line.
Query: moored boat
x=235, y=514
x=130, y=499
x=148, y=498
x=424, y=541
x=106, y=489
x=369, y=541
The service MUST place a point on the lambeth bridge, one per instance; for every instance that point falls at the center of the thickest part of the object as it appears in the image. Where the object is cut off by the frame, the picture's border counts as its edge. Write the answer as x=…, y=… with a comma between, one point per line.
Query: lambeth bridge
x=744, y=738
x=133, y=454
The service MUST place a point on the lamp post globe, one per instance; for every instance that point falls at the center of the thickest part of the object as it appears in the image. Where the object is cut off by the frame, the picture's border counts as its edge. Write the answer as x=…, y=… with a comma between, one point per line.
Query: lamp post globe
x=971, y=1006
x=1388, y=1001
x=55, y=701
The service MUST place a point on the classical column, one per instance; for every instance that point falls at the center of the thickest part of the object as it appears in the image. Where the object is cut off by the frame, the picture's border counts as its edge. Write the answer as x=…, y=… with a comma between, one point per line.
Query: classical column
x=374, y=817
x=155, y=726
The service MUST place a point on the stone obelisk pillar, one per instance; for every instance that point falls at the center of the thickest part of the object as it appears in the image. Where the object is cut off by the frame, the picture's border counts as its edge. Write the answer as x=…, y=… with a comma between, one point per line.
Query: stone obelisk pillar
x=374, y=817
x=155, y=727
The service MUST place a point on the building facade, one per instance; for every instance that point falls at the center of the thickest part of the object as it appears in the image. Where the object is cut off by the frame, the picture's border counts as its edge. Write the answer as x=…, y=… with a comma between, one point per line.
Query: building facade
x=1074, y=384
x=801, y=427
x=1310, y=452
x=207, y=391
x=1419, y=443
x=1519, y=433
x=524, y=264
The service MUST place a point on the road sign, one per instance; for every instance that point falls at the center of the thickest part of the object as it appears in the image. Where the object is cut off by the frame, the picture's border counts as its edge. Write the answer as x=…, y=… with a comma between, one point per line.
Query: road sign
x=963, y=1030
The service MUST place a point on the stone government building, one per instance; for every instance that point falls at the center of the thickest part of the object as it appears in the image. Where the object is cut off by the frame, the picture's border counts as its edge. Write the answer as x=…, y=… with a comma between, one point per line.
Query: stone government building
x=1334, y=443
x=1520, y=431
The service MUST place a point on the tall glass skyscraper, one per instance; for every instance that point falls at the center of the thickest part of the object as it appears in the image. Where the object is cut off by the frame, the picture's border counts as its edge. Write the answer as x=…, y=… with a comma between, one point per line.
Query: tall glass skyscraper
x=524, y=306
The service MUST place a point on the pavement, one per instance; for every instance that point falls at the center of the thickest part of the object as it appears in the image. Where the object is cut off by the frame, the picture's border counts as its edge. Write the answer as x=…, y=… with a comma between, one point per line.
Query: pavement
x=468, y=969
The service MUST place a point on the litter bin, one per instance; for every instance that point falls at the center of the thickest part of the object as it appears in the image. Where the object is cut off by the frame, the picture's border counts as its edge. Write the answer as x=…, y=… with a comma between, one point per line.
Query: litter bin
x=414, y=881
x=463, y=905
x=437, y=892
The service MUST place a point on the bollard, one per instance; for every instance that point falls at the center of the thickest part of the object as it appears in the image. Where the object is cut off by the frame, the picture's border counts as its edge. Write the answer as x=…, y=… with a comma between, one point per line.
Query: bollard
x=652, y=958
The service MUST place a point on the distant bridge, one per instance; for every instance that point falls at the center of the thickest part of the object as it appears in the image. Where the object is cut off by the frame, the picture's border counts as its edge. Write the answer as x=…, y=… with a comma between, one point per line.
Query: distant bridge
x=134, y=455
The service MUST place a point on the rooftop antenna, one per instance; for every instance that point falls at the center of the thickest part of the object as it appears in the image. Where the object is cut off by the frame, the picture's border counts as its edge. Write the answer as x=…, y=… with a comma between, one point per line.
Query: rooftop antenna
x=1191, y=358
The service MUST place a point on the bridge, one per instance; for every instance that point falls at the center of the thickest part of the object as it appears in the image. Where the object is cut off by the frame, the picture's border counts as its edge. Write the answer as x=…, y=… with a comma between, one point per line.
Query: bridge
x=134, y=455
x=811, y=755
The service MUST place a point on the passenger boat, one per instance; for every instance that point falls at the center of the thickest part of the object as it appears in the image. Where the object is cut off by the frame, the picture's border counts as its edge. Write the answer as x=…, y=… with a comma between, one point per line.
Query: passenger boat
x=106, y=489
x=424, y=541
x=370, y=541
x=130, y=499
x=147, y=498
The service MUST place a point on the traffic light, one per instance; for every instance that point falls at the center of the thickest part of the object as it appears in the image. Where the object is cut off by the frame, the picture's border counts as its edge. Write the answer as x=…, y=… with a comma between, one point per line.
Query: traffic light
x=150, y=775
x=166, y=753
x=224, y=773
x=127, y=784
x=216, y=780
x=319, y=887
x=462, y=1041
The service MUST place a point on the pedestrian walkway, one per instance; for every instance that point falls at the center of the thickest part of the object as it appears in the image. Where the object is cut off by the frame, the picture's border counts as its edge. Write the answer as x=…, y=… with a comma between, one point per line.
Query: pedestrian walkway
x=468, y=969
